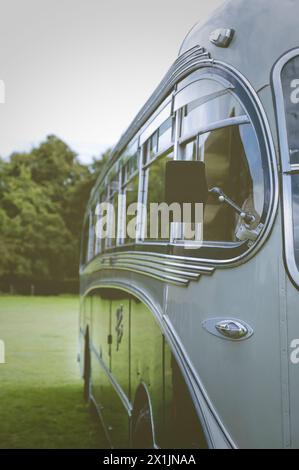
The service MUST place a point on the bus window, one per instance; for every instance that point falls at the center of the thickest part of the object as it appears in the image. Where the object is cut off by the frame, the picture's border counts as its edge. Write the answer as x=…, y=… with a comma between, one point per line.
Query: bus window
x=165, y=135
x=232, y=159
x=113, y=191
x=289, y=80
x=98, y=239
x=157, y=150
x=189, y=150
x=131, y=197
x=155, y=176
x=197, y=116
x=91, y=234
x=218, y=133
x=287, y=96
x=84, y=242
x=129, y=191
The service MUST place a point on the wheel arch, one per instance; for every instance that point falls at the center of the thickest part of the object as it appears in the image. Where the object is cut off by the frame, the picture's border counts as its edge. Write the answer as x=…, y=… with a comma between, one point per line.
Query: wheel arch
x=142, y=396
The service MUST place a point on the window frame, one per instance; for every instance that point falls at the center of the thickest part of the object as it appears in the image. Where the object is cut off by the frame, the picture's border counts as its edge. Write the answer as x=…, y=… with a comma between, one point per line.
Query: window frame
x=219, y=254
x=288, y=169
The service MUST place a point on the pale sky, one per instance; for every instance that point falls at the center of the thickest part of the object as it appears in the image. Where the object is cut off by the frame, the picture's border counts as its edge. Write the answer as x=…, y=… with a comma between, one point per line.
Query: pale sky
x=82, y=69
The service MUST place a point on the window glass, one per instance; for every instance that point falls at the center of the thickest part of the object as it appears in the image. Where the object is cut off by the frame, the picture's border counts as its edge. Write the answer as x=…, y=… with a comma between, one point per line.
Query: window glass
x=91, y=235
x=295, y=194
x=151, y=147
x=160, y=141
x=197, y=116
x=165, y=135
x=129, y=161
x=233, y=164
x=98, y=241
x=112, y=215
x=290, y=86
x=189, y=150
x=290, y=89
x=155, y=176
x=131, y=197
x=84, y=243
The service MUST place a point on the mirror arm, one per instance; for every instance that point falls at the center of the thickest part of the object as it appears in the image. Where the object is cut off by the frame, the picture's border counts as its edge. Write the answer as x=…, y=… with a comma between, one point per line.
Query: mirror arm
x=223, y=198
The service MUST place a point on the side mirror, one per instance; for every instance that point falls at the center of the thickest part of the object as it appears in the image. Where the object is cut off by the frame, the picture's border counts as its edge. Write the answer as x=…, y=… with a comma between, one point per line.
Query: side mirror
x=185, y=182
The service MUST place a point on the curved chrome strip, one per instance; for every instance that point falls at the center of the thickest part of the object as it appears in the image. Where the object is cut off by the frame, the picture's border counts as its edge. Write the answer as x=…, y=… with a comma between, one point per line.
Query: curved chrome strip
x=160, y=258
x=214, y=126
x=125, y=401
x=286, y=165
x=155, y=274
x=179, y=352
x=144, y=265
x=162, y=267
x=163, y=263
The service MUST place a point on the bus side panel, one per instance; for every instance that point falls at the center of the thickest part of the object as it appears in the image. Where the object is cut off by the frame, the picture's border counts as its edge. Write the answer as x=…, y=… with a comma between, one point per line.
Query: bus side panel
x=120, y=342
x=109, y=404
x=147, y=359
x=128, y=349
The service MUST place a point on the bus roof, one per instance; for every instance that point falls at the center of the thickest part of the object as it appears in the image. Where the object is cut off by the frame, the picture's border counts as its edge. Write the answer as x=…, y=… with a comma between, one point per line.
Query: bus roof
x=264, y=31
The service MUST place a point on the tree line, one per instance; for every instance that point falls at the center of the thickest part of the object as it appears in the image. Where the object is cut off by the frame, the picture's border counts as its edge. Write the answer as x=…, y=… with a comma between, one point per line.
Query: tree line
x=43, y=195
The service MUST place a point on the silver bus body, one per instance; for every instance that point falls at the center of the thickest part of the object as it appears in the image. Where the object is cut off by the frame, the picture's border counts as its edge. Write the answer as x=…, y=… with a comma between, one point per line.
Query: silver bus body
x=221, y=320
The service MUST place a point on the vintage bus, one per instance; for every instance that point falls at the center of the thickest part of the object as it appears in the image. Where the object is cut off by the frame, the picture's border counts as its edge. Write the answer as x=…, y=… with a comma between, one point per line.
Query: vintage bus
x=197, y=346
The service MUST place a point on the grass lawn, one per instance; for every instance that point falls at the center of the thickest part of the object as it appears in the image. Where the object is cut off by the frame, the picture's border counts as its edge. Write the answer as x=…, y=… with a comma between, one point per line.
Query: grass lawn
x=41, y=404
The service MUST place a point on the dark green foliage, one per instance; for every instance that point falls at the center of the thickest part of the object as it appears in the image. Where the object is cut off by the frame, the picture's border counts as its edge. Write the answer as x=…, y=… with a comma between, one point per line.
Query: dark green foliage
x=43, y=195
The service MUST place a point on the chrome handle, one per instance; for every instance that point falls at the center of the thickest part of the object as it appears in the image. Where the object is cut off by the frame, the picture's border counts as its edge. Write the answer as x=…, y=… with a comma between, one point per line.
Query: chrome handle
x=231, y=329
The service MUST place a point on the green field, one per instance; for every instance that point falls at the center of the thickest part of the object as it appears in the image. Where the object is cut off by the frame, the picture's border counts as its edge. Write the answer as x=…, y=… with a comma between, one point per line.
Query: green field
x=41, y=403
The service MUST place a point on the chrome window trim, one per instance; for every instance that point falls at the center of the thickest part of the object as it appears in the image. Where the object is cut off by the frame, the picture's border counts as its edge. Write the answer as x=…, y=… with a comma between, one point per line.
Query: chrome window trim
x=198, y=75
x=270, y=149
x=287, y=168
x=179, y=102
x=162, y=153
x=272, y=167
x=164, y=114
x=214, y=126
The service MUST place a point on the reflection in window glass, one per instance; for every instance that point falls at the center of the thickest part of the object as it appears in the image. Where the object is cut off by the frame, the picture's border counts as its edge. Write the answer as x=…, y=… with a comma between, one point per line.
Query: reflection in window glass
x=189, y=151
x=84, y=242
x=165, y=135
x=160, y=141
x=129, y=169
x=129, y=161
x=98, y=240
x=295, y=191
x=289, y=80
x=91, y=236
x=152, y=146
x=196, y=115
x=113, y=191
x=131, y=197
x=233, y=164
x=156, y=187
